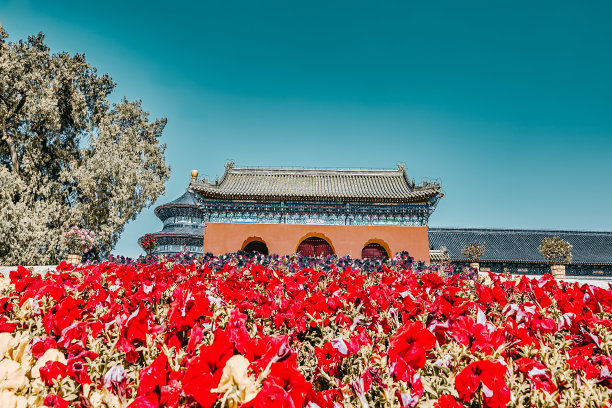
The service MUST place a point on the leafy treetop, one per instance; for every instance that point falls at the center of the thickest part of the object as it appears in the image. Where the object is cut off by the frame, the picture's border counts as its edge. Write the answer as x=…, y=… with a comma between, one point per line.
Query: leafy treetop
x=474, y=251
x=556, y=250
x=67, y=154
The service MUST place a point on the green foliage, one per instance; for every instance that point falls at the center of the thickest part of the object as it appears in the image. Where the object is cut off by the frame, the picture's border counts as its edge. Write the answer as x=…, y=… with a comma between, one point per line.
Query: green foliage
x=474, y=251
x=67, y=155
x=556, y=250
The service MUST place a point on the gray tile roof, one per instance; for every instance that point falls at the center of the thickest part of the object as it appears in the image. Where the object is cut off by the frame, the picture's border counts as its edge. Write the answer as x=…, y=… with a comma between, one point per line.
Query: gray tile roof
x=380, y=186
x=438, y=255
x=589, y=247
x=185, y=200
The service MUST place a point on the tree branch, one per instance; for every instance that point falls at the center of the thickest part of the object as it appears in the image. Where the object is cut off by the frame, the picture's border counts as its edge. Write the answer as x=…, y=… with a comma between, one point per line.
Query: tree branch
x=11, y=145
x=18, y=107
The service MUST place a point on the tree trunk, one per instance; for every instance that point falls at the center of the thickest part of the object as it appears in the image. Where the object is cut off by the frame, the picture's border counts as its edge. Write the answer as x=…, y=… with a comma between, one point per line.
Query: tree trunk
x=9, y=140
x=13, y=151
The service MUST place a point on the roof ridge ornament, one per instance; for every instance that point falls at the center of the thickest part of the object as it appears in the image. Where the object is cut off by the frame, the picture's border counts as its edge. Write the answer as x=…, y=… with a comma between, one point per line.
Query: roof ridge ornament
x=229, y=165
x=401, y=167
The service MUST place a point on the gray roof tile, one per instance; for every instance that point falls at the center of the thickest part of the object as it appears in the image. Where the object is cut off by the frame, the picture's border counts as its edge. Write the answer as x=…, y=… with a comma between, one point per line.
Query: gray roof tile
x=382, y=186
x=185, y=200
x=589, y=247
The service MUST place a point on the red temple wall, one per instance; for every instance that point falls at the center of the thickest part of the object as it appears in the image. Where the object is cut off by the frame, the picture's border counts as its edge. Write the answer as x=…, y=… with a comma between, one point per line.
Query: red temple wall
x=284, y=239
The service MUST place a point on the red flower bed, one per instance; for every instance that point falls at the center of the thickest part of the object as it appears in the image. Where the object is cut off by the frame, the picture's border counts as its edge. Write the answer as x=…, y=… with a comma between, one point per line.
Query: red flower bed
x=245, y=334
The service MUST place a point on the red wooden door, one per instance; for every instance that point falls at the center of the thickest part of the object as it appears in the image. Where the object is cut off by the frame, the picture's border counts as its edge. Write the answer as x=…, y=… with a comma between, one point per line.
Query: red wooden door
x=374, y=251
x=315, y=247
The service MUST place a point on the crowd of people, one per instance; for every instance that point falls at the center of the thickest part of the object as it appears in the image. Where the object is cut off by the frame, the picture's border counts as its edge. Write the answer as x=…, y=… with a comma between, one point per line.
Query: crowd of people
x=294, y=262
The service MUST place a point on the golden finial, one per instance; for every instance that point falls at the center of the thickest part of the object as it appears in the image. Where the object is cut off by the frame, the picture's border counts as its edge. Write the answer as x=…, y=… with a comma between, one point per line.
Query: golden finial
x=194, y=173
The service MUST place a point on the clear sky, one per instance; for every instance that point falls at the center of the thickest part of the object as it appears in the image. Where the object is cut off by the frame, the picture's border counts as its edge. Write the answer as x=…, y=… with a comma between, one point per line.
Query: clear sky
x=509, y=105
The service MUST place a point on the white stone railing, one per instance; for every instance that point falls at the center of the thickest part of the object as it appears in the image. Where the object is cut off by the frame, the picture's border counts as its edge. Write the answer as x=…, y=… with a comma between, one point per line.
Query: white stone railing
x=5, y=270
x=595, y=281
x=590, y=280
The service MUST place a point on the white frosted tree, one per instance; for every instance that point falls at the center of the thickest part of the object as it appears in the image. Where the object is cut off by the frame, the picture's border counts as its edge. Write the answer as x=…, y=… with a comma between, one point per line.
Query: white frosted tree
x=68, y=155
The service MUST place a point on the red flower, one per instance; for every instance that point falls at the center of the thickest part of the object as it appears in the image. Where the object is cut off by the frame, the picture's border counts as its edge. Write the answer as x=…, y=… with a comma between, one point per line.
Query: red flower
x=153, y=376
x=137, y=325
x=536, y=373
x=5, y=305
x=286, y=375
x=237, y=332
x=134, y=330
x=447, y=401
x=6, y=327
x=170, y=394
x=40, y=345
x=579, y=362
x=468, y=380
x=75, y=333
x=476, y=336
x=261, y=351
x=404, y=372
x=78, y=371
x=491, y=375
x=55, y=401
x=22, y=279
x=321, y=399
x=186, y=309
x=411, y=342
x=62, y=315
x=204, y=372
x=52, y=370
x=271, y=396
x=328, y=357
x=197, y=307
x=194, y=339
x=145, y=401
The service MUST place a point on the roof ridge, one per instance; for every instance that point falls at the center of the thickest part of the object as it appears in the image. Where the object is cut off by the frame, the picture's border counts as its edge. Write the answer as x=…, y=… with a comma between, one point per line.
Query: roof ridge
x=314, y=170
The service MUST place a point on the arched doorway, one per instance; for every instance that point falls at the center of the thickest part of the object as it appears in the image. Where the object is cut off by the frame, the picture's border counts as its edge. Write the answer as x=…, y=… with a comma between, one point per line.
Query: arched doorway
x=374, y=251
x=256, y=246
x=315, y=246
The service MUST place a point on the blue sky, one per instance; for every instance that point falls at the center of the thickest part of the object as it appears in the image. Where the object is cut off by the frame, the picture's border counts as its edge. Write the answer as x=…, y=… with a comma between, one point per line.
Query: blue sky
x=509, y=105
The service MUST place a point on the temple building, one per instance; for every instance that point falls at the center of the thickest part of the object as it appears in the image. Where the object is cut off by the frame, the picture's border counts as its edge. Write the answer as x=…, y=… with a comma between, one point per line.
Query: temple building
x=361, y=213
x=183, y=226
